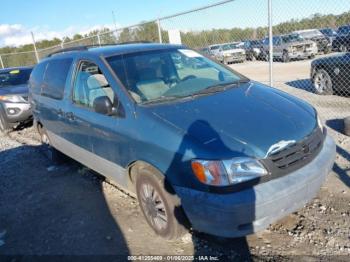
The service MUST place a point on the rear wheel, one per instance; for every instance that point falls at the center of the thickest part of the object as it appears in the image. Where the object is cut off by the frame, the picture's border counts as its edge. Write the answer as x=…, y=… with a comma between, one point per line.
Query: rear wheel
x=160, y=207
x=50, y=152
x=323, y=82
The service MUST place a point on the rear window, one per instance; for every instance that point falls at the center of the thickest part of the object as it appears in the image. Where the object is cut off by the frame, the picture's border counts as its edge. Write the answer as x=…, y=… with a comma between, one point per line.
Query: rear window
x=14, y=77
x=55, y=77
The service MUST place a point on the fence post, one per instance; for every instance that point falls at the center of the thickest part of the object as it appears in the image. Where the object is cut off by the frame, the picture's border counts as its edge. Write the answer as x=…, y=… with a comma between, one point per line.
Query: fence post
x=36, y=52
x=270, y=42
x=159, y=31
x=1, y=62
x=99, y=40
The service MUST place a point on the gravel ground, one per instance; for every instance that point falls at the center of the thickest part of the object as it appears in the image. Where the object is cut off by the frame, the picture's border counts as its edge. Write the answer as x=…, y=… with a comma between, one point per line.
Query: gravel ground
x=66, y=209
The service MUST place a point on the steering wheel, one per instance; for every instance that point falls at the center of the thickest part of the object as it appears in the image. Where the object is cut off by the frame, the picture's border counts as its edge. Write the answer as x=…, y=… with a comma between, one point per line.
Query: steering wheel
x=188, y=77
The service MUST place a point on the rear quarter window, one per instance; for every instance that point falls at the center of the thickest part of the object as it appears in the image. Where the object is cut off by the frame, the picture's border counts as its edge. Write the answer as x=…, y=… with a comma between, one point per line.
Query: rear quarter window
x=36, y=77
x=55, y=77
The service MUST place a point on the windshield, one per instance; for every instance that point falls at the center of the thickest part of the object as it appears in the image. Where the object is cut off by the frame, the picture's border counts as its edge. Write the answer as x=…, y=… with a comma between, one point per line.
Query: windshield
x=311, y=34
x=162, y=75
x=229, y=47
x=292, y=38
x=344, y=30
x=328, y=32
x=14, y=77
x=213, y=47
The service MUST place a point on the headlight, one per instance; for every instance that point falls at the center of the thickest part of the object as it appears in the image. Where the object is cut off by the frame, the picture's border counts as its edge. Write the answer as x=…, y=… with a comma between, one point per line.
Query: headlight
x=12, y=98
x=228, y=172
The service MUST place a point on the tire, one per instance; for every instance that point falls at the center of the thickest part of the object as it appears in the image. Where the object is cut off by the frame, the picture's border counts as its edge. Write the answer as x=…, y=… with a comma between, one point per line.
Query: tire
x=327, y=50
x=50, y=152
x=285, y=57
x=4, y=127
x=322, y=82
x=347, y=126
x=312, y=56
x=160, y=207
x=343, y=48
x=266, y=57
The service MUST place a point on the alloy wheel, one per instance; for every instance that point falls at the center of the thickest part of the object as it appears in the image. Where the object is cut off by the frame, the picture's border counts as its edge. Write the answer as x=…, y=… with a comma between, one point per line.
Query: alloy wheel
x=153, y=206
x=322, y=82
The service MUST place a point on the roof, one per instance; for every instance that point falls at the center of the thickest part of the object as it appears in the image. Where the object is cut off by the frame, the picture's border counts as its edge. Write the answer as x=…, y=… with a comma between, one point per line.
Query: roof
x=117, y=49
x=4, y=70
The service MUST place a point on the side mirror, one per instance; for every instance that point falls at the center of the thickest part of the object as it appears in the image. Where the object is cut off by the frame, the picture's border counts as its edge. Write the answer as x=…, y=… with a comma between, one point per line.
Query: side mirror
x=103, y=105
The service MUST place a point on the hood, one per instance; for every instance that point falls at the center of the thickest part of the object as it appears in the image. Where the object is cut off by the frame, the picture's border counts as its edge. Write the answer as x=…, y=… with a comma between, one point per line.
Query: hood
x=14, y=90
x=235, y=50
x=241, y=121
x=302, y=42
x=334, y=59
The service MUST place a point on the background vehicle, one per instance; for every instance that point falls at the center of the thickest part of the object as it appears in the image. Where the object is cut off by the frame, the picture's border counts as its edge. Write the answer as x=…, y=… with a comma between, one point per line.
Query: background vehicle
x=330, y=33
x=342, y=41
x=205, y=50
x=231, y=52
x=163, y=133
x=323, y=43
x=291, y=46
x=331, y=75
x=14, y=105
x=214, y=49
x=253, y=49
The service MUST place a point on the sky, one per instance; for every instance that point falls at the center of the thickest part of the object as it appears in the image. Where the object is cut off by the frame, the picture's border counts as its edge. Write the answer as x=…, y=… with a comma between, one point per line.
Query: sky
x=58, y=18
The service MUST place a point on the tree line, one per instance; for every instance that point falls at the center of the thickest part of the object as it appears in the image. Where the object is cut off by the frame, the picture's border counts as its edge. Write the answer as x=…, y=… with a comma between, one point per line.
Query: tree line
x=149, y=32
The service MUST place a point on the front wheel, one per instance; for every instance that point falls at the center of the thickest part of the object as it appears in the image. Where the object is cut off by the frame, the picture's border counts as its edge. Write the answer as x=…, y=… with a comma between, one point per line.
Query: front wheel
x=323, y=82
x=285, y=57
x=4, y=128
x=343, y=48
x=159, y=206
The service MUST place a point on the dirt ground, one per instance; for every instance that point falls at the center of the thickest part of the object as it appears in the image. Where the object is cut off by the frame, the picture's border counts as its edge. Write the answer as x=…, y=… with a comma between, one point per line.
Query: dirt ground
x=66, y=209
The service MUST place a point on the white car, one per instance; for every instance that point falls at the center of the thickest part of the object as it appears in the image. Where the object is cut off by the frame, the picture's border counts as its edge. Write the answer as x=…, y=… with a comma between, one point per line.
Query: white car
x=231, y=52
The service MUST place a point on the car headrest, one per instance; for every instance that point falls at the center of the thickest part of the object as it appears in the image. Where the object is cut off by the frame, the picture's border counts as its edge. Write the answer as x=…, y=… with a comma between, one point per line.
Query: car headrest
x=96, y=81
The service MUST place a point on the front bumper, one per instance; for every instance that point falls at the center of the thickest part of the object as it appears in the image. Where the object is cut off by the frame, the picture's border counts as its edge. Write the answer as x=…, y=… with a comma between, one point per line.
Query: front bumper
x=234, y=58
x=16, y=112
x=302, y=54
x=245, y=212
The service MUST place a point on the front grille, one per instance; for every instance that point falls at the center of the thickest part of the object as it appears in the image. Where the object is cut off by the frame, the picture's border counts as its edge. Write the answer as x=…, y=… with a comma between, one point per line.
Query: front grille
x=236, y=54
x=299, y=48
x=300, y=152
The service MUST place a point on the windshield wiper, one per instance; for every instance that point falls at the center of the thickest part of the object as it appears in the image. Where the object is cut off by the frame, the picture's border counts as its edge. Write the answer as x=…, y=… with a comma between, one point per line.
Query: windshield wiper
x=162, y=99
x=220, y=87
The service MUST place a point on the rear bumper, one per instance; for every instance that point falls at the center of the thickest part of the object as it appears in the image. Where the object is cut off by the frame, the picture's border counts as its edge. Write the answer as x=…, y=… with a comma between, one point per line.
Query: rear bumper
x=245, y=212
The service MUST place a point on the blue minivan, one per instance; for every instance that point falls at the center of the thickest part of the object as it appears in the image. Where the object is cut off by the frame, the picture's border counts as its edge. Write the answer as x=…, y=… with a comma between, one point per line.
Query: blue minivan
x=202, y=148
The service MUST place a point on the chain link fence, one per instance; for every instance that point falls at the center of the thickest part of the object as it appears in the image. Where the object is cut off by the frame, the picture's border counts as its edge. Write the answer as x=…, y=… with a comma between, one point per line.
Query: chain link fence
x=304, y=54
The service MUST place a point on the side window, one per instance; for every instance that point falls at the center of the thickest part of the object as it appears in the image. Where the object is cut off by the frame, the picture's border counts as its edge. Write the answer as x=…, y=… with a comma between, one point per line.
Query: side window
x=55, y=78
x=37, y=77
x=89, y=84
